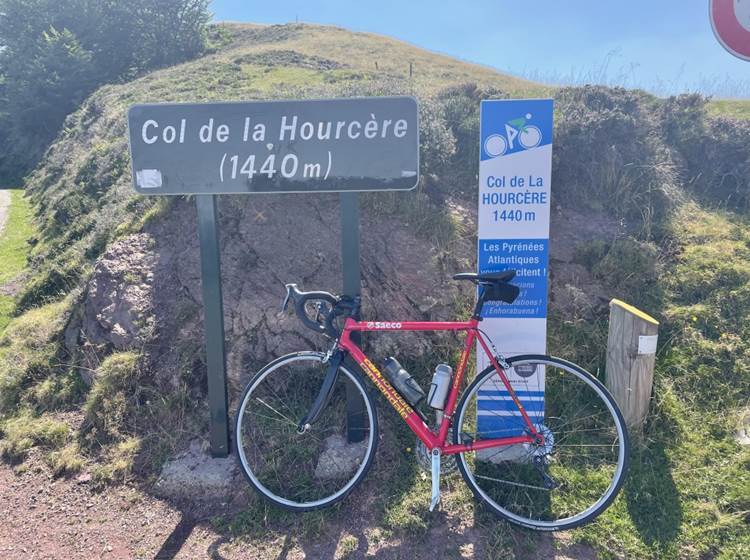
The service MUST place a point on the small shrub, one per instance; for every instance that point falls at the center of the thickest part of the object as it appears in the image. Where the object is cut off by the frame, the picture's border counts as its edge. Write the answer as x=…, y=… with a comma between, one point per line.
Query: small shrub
x=717, y=162
x=67, y=460
x=25, y=431
x=28, y=350
x=437, y=146
x=609, y=154
x=461, y=113
x=117, y=464
x=631, y=268
x=107, y=404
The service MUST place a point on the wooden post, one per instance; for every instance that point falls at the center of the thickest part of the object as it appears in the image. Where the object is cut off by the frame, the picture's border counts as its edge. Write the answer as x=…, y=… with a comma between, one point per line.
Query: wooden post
x=631, y=355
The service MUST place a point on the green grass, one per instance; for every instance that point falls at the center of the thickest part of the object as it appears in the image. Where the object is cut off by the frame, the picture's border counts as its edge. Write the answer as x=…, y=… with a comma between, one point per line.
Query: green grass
x=108, y=402
x=118, y=462
x=28, y=350
x=67, y=460
x=23, y=432
x=688, y=492
x=735, y=108
x=14, y=249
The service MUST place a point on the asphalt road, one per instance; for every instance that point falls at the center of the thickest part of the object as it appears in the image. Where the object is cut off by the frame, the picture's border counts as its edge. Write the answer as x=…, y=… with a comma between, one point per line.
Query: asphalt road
x=4, y=207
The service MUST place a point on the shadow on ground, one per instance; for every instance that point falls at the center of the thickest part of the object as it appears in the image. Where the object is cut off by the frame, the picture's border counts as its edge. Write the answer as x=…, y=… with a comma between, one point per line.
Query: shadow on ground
x=652, y=497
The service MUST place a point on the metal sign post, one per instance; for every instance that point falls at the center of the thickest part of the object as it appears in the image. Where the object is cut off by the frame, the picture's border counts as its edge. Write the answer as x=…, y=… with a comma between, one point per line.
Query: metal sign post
x=326, y=145
x=349, y=207
x=213, y=310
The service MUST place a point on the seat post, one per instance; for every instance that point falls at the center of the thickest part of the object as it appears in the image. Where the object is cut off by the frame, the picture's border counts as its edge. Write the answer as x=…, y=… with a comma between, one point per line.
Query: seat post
x=480, y=303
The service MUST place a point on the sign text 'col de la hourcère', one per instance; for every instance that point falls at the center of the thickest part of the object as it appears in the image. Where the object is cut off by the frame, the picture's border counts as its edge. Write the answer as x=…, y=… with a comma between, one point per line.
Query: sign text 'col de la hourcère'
x=357, y=144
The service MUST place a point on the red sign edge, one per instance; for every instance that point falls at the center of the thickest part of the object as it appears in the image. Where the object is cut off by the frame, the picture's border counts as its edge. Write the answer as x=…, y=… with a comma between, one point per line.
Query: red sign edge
x=719, y=38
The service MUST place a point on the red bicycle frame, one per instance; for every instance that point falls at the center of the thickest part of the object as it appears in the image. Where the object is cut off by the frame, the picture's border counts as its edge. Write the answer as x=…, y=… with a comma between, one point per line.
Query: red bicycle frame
x=431, y=439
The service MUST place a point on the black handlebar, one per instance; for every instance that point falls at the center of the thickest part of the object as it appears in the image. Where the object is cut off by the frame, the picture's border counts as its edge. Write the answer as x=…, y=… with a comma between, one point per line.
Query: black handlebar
x=337, y=307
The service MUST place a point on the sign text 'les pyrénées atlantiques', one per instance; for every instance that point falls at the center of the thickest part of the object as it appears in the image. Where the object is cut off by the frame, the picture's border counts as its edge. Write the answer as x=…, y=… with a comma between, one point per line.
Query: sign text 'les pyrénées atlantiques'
x=356, y=144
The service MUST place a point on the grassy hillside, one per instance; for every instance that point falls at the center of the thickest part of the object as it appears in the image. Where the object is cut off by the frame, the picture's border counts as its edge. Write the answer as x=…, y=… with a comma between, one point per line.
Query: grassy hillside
x=651, y=204
x=366, y=54
x=735, y=108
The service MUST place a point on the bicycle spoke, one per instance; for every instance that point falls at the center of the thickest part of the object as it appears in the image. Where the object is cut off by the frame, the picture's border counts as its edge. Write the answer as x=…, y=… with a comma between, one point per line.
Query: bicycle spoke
x=264, y=403
x=565, y=479
x=518, y=484
x=292, y=467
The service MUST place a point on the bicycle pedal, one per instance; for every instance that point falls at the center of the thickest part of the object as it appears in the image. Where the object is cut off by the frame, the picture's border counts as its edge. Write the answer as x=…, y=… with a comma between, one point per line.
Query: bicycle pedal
x=435, y=499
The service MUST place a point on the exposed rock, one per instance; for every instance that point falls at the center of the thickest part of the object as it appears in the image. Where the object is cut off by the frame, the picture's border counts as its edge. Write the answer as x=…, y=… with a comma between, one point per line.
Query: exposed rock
x=118, y=305
x=84, y=478
x=195, y=475
x=269, y=240
x=574, y=292
x=339, y=459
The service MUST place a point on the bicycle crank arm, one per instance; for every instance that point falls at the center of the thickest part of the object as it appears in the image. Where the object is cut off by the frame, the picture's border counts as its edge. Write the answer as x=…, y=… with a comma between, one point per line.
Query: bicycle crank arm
x=435, y=479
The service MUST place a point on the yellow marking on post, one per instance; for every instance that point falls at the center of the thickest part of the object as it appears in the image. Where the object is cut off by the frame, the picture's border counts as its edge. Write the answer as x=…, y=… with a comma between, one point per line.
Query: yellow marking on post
x=635, y=311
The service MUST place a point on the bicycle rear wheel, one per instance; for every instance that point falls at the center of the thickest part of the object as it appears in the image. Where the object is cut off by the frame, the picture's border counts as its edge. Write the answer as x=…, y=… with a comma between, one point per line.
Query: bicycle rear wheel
x=306, y=470
x=568, y=479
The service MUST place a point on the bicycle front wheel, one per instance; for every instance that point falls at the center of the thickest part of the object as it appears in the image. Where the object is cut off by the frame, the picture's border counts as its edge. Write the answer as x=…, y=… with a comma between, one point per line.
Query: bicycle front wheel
x=562, y=482
x=314, y=468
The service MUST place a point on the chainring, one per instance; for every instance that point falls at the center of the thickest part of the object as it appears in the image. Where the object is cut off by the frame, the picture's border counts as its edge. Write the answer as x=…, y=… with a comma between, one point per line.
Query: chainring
x=447, y=462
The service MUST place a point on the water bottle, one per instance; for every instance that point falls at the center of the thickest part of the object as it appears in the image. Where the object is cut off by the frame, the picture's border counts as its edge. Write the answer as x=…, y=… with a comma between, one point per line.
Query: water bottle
x=404, y=383
x=441, y=382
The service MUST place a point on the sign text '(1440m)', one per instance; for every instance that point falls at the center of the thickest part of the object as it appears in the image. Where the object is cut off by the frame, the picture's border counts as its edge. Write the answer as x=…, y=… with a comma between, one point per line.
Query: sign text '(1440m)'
x=288, y=166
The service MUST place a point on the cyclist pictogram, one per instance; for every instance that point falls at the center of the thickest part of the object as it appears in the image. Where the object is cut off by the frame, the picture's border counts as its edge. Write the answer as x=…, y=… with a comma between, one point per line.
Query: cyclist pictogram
x=527, y=135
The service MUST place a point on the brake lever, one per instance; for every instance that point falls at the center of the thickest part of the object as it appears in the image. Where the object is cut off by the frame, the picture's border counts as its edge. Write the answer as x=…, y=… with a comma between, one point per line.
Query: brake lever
x=318, y=307
x=285, y=303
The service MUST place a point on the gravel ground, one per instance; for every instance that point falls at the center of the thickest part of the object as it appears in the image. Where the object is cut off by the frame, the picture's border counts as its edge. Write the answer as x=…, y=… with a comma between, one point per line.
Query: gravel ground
x=47, y=518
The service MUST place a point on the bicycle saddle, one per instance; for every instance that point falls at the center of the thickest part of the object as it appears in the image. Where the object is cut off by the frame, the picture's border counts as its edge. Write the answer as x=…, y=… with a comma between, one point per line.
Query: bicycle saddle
x=502, y=276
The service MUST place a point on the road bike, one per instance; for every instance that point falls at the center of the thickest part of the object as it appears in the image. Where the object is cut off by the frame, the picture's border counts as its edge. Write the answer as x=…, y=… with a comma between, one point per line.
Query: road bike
x=549, y=456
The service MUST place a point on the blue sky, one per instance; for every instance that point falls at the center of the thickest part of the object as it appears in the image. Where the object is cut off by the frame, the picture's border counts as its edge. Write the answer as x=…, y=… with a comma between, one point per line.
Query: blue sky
x=666, y=46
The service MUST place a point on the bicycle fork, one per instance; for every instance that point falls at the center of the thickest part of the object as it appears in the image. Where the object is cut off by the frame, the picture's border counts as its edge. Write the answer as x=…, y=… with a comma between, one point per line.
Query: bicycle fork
x=333, y=359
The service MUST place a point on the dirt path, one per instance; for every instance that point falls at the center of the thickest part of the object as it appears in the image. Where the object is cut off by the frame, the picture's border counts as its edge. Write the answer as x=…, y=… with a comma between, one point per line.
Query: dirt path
x=4, y=207
x=47, y=518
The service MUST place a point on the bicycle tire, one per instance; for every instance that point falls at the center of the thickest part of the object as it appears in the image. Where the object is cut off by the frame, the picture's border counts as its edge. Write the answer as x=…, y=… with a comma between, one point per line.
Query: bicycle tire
x=588, y=514
x=355, y=377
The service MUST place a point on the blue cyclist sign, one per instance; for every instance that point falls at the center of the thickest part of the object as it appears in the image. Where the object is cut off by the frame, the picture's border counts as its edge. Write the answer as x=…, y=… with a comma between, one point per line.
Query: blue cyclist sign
x=513, y=233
